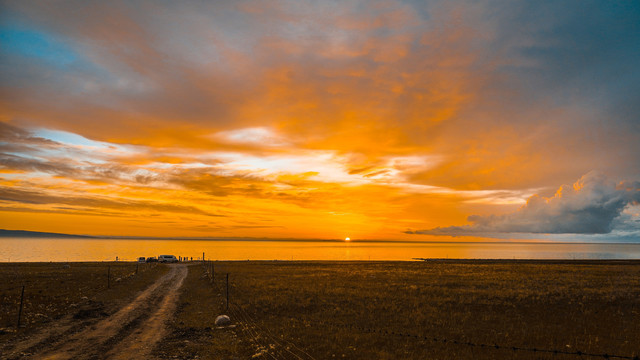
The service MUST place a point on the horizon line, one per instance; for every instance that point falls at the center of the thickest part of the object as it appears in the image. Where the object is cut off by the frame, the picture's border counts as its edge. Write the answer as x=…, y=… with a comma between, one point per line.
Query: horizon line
x=36, y=234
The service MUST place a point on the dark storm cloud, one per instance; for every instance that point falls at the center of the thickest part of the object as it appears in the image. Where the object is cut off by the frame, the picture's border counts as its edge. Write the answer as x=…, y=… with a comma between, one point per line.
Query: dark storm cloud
x=593, y=205
x=502, y=97
x=562, y=93
x=581, y=52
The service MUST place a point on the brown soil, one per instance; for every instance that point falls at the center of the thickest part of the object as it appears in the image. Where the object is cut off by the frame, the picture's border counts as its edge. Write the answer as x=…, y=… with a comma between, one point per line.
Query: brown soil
x=90, y=333
x=353, y=310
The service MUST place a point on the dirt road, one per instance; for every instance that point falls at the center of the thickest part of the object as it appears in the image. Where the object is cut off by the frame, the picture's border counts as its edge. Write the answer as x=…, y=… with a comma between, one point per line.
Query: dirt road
x=130, y=333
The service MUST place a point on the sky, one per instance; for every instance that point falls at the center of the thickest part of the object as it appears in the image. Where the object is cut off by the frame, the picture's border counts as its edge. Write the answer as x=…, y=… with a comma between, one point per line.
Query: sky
x=425, y=120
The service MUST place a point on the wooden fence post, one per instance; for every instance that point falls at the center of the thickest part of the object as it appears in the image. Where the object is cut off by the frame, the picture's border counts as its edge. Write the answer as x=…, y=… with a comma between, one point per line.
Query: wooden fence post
x=108, y=277
x=227, y=291
x=20, y=310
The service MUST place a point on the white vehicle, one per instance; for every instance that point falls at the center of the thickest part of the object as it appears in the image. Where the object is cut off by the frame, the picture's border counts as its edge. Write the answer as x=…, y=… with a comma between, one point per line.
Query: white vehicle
x=167, y=259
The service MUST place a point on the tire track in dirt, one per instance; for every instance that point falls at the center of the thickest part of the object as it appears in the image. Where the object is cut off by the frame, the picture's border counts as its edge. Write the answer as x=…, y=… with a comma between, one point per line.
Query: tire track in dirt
x=139, y=344
x=131, y=332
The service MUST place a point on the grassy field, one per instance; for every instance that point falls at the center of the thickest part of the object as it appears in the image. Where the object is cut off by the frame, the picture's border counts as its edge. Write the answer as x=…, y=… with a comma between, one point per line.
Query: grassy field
x=392, y=310
x=193, y=333
x=53, y=290
x=363, y=310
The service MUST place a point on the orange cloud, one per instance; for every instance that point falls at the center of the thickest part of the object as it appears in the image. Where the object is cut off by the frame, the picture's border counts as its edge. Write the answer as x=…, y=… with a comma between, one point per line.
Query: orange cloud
x=301, y=121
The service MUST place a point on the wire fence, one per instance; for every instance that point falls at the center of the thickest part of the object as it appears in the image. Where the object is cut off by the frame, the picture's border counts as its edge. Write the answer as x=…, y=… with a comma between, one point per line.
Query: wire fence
x=264, y=338
x=16, y=300
x=12, y=288
x=267, y=344
x=278, y=344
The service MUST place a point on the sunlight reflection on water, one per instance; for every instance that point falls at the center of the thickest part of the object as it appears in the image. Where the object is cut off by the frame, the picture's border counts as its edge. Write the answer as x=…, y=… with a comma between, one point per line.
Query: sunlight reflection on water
x=32, y=249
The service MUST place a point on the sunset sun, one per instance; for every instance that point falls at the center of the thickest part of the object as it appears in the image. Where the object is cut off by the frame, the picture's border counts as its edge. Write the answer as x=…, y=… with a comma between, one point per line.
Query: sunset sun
x=172, y=167
x=403, y=121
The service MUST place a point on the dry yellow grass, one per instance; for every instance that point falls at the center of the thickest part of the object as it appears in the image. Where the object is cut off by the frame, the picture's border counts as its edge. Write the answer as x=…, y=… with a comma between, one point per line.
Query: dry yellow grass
x=364, y=310
x=53, y=290
x=342, y=309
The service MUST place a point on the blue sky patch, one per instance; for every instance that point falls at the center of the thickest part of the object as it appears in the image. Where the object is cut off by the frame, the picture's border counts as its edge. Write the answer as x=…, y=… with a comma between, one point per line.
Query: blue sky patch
x=36, y=44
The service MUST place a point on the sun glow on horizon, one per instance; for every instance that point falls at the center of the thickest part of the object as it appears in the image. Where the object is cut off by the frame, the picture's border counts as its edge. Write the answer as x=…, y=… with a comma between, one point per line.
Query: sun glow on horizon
x=398, y=121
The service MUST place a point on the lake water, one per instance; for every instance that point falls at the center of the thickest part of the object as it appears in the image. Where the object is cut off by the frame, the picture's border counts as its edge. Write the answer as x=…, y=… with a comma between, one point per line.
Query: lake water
x=39, y=249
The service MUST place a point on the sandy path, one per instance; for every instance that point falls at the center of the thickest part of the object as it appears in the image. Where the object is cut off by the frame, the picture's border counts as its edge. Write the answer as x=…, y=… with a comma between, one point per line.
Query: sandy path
x=130, y=333
x=139, y=344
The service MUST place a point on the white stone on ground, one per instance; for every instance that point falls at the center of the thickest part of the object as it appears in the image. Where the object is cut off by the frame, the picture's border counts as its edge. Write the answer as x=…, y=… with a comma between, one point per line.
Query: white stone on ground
x=223, y=320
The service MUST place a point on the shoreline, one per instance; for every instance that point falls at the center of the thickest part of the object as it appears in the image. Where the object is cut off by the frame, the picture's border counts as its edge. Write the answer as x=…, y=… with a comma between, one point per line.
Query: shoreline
x=329, y=262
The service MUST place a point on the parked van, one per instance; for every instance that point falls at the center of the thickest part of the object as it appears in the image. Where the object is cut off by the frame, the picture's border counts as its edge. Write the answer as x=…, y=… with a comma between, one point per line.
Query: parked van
x=167, y=259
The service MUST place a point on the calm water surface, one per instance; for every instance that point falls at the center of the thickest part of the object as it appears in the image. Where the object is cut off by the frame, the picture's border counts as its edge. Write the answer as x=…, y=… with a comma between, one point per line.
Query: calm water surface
x=32, y=249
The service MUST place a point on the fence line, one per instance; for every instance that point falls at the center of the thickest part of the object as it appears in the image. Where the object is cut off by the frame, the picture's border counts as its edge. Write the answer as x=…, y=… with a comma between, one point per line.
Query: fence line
x=118, y=269
x=254, y=330
x=254, y=336
x=469, y=343
x=11, y=288
x=270, y=335
x=207, y=267
x=240, y=313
